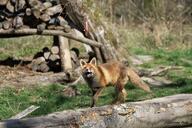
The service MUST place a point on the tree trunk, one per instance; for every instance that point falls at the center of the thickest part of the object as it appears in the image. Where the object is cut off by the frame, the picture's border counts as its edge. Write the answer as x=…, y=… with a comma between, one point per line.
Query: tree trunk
x=171, y=111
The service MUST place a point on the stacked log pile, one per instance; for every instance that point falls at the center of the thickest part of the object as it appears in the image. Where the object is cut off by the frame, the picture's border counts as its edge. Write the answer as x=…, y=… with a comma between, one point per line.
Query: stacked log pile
x=49, y=59
x=55, y=18
x=40, y=14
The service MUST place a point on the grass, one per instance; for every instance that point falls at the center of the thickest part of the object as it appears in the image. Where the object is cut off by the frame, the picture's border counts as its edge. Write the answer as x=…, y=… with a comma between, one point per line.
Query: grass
x=23, y=46
x=174, y=57
x=50, y=98
x=177, y=57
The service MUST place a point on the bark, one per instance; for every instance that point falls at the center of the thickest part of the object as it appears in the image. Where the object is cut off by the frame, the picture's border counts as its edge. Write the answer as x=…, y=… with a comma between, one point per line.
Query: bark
x=54, y=10
x=47, y=5
x=45, y=17
x=6, y=25
x=156, y=77
x=172, y=111
x=54, y=57
x=65, y=53
x=3, y=2
x=96, y=50
x=10, y=7
x=23, y=32
x=17, y=22
x=55, y=50
x=46, y=55
x=28, y=11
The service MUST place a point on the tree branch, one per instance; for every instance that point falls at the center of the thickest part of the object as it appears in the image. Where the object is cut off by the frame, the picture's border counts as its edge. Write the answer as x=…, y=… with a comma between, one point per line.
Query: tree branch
x=23, y=32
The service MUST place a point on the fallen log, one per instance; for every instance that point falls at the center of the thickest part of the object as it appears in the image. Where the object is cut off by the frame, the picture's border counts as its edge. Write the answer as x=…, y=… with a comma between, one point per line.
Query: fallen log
x=156, y=77
x=22, y=32
x=164, y=69
x=171, y=111
x=156, y=71
x=157, y=81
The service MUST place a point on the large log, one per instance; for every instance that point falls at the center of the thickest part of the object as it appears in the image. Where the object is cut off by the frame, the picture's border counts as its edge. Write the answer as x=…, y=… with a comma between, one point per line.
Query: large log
x=20, y=4
x=10, y=7
x=6, y=24
x=28, y=11
x=22, y=32
x=17, y=22
x=170, y=112
x=55, y=50
x=54, y=10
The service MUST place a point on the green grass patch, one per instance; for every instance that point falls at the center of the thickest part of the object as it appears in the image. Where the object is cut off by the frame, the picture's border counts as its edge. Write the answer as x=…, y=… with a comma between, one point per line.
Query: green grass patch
x=23, y=46
x=164, y=57
x=50, y=98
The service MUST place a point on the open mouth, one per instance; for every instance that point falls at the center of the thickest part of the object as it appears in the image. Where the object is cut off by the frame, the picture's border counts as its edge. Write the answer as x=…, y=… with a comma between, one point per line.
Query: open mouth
x=89, y=74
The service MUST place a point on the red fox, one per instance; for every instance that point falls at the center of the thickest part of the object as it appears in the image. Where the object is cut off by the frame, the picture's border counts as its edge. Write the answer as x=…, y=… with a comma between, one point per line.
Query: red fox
x=111, y=73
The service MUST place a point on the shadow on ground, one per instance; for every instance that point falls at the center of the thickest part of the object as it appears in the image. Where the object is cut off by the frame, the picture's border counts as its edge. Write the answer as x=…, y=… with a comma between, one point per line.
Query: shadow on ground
x=14, y=62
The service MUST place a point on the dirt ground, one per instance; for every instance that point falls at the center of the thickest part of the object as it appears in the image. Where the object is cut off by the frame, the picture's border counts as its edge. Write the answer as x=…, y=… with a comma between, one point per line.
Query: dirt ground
x=21, y=75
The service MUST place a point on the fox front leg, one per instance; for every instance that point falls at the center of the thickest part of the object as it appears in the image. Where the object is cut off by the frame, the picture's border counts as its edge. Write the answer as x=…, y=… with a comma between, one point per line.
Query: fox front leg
x=96, y=93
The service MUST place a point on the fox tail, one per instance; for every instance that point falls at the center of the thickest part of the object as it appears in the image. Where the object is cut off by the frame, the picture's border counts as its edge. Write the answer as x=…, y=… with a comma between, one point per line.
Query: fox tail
x=136, y=80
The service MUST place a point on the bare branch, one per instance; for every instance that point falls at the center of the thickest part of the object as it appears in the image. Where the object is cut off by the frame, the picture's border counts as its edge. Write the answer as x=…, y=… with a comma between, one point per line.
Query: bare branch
x=22, y=32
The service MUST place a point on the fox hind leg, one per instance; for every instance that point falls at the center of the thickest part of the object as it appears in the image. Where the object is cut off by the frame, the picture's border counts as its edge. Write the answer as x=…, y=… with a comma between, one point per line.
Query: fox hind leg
x=120, y=91
x=120, y=97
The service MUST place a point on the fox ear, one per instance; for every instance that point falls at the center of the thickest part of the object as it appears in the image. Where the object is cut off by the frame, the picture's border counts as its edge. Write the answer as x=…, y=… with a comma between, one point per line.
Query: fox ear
x=93, y=61
x=82, y=62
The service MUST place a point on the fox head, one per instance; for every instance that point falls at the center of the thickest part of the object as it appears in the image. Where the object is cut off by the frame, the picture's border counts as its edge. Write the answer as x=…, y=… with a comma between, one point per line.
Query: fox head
x=88, y=69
